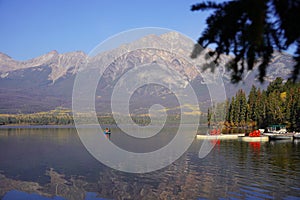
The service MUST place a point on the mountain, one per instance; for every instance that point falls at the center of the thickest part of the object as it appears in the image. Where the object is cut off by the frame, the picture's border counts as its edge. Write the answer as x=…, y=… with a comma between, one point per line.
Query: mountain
x=46, y=82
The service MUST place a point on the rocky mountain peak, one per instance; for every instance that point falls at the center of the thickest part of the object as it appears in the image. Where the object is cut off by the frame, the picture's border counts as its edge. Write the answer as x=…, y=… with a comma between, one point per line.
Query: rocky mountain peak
x=174, y=42
x=5, y=57
x=60, y=64
x=50, y=76
x=67, y=62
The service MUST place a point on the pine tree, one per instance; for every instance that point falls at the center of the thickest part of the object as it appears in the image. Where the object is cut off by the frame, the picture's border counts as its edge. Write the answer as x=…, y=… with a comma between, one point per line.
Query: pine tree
x=279, y=104
x=293, y=109
x=227, y=111
x=297, y=108
x=252, y=102
x=243, y=108
x=275, y=86
x=209, y=114
x=232, y=111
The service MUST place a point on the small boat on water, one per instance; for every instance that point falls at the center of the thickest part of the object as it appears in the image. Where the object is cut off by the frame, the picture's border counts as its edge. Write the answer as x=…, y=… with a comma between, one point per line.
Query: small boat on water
x=287, y=136
x=278, y=132
x=275, y=129
x=296, y=136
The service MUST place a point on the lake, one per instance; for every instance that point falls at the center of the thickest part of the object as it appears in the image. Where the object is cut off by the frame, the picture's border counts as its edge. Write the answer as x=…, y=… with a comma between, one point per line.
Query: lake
x=51, y=163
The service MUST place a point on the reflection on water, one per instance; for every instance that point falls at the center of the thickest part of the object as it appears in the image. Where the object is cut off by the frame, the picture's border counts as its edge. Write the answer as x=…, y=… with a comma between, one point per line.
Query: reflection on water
x=53, y=162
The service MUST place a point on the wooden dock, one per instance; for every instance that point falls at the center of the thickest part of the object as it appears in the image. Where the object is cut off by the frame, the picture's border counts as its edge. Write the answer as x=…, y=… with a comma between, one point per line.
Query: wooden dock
x=220, y=137
x=254, y=139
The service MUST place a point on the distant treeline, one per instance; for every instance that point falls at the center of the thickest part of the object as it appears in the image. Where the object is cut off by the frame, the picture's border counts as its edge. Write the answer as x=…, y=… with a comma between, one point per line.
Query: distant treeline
x=55, y=117
x=278, y=104
x=65, y=117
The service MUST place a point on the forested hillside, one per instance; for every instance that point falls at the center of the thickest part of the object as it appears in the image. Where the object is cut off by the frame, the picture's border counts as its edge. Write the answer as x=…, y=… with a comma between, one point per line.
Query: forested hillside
x=278, y=104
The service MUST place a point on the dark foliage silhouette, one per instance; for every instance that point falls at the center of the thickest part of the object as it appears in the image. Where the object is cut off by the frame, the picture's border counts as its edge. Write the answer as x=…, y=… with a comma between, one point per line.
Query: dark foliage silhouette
x=251, y=30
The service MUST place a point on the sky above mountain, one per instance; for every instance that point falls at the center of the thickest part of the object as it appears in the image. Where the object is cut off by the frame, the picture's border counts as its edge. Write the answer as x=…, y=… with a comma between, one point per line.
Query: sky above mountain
x=31, y=28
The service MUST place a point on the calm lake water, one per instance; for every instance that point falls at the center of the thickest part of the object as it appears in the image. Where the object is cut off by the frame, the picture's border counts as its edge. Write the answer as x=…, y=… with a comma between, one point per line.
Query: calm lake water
x=52, y=163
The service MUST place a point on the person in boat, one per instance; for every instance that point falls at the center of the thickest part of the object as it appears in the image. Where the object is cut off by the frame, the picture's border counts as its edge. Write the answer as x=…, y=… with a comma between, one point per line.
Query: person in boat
x=107, y=133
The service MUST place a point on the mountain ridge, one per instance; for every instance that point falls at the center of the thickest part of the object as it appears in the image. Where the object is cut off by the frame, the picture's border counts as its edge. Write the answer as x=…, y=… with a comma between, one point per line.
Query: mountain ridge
x=24, y=84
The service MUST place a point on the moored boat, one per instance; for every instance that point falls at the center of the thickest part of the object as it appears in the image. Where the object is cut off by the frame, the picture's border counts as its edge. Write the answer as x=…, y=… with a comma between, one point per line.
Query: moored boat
x=281, y=137
x=296, y=136
x=275, y=129
x=278, y=132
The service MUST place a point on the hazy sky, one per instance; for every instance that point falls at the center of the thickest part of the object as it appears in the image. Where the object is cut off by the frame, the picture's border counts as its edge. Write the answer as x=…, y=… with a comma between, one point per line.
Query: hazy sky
x=30, y=28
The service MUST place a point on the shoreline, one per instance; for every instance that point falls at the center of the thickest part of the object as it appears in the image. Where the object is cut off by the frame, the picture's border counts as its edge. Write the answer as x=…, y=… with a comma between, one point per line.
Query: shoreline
x=15, y=126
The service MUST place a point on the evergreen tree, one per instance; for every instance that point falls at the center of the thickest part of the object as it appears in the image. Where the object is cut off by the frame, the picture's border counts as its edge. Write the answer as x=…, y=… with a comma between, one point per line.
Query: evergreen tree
x=232, y=111
x=275, y=110
x=259, y=109
x=237, y=109
x=208, y=117
x=275, y=86
x=227, y=110
x=297, y=108
x=243, y=108
x=293, y=109
x=252, y=102
x=279, y=104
